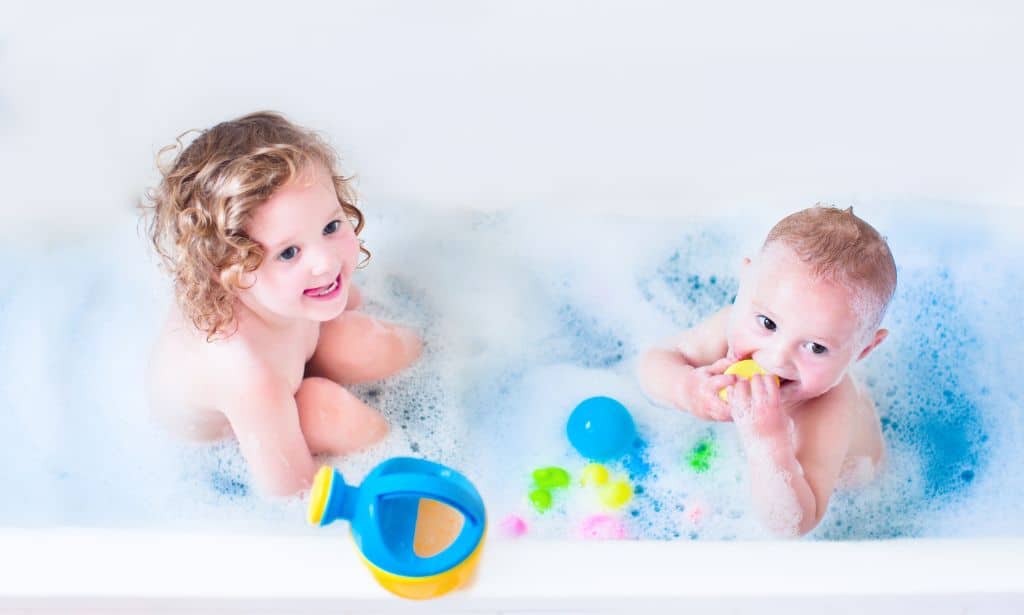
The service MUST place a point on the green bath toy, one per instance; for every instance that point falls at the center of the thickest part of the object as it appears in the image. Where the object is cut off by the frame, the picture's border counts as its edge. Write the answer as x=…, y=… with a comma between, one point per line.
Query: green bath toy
x=700, y=457
x=540, y=499
x=546, y=480
x=551, y=477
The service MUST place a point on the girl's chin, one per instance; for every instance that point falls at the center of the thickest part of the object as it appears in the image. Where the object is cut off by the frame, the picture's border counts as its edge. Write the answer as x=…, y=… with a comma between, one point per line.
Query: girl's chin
x=328, y=311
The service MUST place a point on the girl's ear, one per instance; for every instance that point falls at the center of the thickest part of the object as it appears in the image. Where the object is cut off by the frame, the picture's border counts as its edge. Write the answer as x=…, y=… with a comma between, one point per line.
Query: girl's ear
x=880, y=335
x=247, y=279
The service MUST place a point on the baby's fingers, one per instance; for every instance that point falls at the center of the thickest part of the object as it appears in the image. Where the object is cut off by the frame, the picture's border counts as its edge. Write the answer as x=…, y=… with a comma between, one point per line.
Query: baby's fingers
x=717, y=383
x=711, y=392
x=739, y=399
x=719, y=366
x=759, y=388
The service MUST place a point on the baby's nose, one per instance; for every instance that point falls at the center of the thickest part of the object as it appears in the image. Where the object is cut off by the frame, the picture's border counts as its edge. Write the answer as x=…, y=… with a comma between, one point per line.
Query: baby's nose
x=774, y=360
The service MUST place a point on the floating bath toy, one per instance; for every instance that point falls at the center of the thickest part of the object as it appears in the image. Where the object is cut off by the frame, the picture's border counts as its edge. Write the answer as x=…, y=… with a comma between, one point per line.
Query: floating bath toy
x=602, y=527
x=601, y=428
x=541, y=500
x=551, y=478
x=545, y=480
x=700, y=457
x=744, y=369
x=594, y=475
x=419, y=525
x=513, y=526
x=616, y=494
x=612, y=493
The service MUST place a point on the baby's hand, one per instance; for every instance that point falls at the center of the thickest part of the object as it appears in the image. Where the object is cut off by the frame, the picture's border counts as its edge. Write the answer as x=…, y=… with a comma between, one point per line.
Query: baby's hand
x=755, y=404
x=704, y=385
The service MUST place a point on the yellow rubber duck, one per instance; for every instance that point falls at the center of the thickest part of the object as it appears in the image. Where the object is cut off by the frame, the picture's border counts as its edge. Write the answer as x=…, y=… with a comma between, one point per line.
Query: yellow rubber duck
x=744, y=369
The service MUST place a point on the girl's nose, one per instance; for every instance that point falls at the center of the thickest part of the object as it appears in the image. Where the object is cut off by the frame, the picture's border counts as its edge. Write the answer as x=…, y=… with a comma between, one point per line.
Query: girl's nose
x=320, y=263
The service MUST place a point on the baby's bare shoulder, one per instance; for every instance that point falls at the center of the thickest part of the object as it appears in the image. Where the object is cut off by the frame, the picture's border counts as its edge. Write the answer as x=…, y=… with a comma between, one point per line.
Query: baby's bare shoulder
x=705, y=342
x=866, y=439
x=844, y=419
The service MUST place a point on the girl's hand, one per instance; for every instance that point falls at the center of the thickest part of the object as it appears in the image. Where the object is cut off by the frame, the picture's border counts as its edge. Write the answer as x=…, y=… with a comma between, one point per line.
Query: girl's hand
x=703, y=387
x=755, y=404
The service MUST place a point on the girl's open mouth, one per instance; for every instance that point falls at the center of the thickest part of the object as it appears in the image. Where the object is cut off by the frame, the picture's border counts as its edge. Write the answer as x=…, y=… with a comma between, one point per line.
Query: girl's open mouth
x=325, y=292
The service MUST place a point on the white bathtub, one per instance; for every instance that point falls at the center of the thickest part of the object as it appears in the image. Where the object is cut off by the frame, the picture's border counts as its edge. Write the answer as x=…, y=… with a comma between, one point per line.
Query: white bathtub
x=670, y=108
x=102, y=570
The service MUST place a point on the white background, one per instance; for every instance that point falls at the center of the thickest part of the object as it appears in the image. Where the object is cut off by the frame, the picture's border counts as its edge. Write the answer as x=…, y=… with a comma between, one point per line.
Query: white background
x=610, y=106
x=605, y=106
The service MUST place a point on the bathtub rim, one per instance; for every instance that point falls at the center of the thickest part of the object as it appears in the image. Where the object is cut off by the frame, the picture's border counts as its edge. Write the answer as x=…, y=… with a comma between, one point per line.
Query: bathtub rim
x=53, y=568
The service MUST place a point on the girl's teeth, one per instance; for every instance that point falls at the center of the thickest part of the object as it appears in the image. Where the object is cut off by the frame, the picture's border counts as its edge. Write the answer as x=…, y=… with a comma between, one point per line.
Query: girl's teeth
x=328, y=290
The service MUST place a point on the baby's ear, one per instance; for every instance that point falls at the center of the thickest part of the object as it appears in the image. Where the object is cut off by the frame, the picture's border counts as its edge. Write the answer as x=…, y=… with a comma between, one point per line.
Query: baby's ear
x=880, y=335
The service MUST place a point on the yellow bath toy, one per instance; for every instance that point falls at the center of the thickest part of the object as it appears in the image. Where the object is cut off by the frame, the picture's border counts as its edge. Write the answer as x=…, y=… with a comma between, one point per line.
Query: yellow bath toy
x=594, y=475
x=616, y=494
x=745, y=369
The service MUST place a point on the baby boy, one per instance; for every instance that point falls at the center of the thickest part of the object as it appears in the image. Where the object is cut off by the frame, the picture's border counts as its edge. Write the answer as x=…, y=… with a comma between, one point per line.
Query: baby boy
x=809, y=306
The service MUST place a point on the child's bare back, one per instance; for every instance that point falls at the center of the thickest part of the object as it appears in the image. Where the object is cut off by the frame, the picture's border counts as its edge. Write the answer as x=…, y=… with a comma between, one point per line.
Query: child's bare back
x=260, y=338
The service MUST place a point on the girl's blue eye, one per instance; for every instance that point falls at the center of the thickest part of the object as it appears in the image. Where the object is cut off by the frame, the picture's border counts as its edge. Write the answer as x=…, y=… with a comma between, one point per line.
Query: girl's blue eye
x=818, y=348
x=766, y=322
x=288, y=253
x=332, y=227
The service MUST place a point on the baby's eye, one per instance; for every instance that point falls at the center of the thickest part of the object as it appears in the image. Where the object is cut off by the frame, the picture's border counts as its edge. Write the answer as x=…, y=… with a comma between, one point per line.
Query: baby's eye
x=766, y=322
x=288, y=253
x=332, y=227
x=817, y=348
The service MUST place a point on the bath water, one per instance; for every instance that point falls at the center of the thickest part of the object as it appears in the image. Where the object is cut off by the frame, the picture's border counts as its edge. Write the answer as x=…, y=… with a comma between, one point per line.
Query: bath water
x=525, y=315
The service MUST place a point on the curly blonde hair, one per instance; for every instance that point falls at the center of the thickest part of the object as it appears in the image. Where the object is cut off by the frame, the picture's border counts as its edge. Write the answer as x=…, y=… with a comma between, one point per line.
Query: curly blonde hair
x=209, y=192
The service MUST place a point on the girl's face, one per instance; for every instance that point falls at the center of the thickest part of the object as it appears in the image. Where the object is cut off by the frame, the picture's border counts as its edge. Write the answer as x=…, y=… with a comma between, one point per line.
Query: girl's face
x=311, y=252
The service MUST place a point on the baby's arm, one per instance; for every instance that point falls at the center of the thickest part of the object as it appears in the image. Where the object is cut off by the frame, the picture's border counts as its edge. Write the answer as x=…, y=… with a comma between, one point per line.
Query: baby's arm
x=793, y=468
x=688, y=373
x=264, y=416
x=355, y=348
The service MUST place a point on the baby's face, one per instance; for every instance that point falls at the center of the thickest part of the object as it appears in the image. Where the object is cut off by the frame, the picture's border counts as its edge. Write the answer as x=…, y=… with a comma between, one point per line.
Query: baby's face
x=796, y=326
x=311, y=251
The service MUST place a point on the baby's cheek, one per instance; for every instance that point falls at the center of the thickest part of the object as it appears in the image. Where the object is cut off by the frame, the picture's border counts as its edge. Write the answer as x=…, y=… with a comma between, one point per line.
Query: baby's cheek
x=819, y=376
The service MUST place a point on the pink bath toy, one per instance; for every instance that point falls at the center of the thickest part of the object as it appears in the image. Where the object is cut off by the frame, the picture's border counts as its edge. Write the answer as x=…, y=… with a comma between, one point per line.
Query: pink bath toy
x=602, y=527
x=513, y=526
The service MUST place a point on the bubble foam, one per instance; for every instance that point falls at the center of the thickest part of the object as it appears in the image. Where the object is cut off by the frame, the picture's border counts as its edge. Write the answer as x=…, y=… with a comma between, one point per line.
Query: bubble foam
x=522, y=320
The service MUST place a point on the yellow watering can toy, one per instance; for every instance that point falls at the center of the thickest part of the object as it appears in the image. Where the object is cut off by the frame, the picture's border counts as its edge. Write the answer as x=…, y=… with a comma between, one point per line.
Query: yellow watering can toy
x=419, y=525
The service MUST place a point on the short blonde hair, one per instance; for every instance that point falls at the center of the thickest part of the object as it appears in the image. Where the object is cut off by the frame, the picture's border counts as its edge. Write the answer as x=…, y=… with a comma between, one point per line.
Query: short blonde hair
x=843, y=248
x=209, y=192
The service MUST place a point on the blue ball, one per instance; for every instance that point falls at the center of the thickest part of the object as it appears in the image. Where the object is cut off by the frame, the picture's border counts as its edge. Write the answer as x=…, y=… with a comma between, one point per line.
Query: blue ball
x=601, y=428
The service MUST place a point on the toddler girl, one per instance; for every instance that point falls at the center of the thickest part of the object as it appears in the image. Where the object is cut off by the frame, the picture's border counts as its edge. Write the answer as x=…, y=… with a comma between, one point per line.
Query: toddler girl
x=260, y=234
